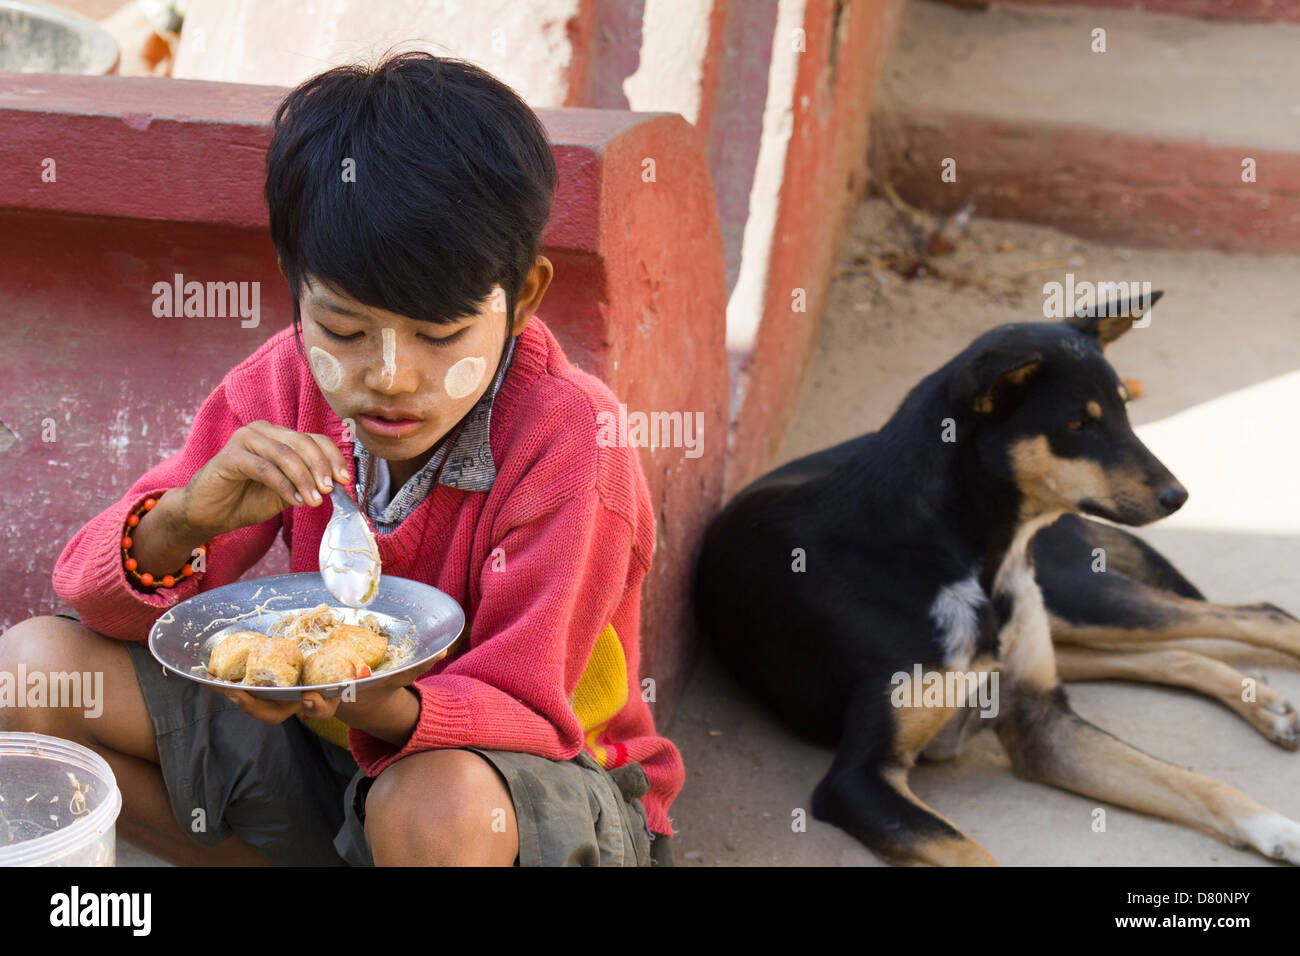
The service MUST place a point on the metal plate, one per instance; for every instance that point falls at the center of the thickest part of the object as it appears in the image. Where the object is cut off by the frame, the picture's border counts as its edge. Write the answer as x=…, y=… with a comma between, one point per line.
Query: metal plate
x=183, y=638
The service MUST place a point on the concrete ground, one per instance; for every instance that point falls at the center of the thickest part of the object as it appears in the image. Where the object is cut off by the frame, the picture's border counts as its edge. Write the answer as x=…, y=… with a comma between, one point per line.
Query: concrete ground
x=1221, y=388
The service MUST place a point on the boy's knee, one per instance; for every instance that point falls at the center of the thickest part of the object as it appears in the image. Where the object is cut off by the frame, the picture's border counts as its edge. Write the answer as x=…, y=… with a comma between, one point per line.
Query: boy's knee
x=41, y=645
x=440, y=808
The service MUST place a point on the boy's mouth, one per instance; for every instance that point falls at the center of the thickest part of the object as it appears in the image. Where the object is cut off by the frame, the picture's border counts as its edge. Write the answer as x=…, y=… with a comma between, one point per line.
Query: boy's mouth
x=388, y=423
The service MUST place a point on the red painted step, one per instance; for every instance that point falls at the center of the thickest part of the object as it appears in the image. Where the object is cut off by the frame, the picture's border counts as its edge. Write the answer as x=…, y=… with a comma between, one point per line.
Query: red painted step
x=1143, y=144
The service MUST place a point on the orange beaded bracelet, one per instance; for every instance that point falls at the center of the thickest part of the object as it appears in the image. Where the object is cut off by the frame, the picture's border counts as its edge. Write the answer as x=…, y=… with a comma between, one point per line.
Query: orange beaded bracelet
x=146, y=579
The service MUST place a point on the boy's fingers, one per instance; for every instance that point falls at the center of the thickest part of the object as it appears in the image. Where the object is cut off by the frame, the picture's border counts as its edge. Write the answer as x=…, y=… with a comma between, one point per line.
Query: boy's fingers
x=285, y=457
x=313, y=455
x=267, y=711
x=312, y=452
x=253, y=466
x=335, y=457
x=315, y=705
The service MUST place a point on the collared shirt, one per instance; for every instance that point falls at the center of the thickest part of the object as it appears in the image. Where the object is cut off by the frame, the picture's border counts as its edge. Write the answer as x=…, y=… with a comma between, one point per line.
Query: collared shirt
x=470, y=466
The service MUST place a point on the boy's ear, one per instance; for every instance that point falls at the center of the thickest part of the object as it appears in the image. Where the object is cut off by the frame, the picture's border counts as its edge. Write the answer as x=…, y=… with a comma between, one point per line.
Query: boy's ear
x=994, y=382
x=535, y=285
x=1108, y=321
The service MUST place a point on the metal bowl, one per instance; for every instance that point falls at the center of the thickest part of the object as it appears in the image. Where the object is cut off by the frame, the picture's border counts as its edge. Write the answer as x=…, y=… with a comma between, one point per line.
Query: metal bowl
x=183, y=638
x=40, y=38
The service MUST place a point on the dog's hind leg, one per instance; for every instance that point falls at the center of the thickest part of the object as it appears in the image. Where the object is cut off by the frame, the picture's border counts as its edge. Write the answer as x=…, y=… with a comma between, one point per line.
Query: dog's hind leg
x=866, y=793
x=1047, y=741
x=1260, y=705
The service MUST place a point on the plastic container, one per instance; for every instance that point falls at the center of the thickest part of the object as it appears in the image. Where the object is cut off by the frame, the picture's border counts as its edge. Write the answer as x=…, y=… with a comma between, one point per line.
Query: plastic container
x=58, y=803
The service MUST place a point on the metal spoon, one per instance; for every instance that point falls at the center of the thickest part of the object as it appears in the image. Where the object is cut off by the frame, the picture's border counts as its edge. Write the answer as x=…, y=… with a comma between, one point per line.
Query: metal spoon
x=349, y=556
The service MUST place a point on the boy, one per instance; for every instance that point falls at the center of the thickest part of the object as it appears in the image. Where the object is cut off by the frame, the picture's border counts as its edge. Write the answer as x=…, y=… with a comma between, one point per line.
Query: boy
x=407, y=204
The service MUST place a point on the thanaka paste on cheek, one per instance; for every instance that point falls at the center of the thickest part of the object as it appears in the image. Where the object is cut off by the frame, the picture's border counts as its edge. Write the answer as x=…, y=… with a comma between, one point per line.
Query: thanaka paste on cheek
x=463, y=377
x=329, y=373
x=390, y=356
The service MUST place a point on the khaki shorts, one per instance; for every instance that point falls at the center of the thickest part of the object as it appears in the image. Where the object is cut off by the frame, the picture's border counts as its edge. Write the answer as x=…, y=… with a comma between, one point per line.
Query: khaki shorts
x=298, y=800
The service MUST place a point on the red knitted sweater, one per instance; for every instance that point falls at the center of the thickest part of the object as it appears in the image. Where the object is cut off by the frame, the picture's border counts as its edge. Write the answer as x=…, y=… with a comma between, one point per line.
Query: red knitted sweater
x=548, y=565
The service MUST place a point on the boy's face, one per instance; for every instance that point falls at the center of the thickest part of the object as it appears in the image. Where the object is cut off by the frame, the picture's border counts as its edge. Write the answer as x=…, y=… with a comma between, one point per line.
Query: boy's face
x=404, y=383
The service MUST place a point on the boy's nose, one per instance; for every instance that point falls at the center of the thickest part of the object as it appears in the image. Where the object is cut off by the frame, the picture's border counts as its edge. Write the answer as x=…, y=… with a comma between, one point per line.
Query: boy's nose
x=404, y=378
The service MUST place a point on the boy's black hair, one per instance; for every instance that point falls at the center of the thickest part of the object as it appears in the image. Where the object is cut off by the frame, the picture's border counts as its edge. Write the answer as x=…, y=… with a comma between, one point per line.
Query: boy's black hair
x=454, y=180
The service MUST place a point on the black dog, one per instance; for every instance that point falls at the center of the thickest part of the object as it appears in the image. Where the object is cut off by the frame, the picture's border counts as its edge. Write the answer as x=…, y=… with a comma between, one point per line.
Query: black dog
x=899, y=590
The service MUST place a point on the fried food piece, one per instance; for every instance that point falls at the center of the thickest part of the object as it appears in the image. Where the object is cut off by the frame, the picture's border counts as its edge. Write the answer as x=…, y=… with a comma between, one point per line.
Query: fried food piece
x=334, y=663
x=370, y=646
x=275, y=662
x=229, y=658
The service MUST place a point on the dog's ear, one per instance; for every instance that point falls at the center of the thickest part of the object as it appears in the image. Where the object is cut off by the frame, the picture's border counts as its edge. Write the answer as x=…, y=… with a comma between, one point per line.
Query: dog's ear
x=993, y=382
x=1108, y=321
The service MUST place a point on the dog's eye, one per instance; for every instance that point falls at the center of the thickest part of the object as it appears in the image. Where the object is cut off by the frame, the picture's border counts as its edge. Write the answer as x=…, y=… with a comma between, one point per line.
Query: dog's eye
x=1081, y=424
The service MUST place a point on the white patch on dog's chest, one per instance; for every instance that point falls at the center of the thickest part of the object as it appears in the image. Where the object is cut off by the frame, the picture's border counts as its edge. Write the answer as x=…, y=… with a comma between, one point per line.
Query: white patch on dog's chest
x=955, y=612
x=1025, y=640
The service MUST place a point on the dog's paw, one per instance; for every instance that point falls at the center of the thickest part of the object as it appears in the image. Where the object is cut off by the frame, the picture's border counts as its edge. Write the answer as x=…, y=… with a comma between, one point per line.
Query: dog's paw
x=1274, y=717
x=1275, y=836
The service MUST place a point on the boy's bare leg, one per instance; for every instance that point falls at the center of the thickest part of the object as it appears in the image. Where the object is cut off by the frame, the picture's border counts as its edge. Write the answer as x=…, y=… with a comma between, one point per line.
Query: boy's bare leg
x=441, y=808
x=123, y=734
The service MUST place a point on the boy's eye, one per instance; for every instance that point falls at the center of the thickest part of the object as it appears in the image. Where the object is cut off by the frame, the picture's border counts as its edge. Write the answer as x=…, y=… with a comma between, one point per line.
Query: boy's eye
x=341, y=338
x=445, y=340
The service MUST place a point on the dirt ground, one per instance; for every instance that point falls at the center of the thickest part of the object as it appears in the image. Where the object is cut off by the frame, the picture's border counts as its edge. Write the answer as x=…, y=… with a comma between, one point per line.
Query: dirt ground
x=1221, y=392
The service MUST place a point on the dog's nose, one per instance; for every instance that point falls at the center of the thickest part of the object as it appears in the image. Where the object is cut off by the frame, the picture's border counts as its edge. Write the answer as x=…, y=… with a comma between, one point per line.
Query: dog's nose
x=1172, y=498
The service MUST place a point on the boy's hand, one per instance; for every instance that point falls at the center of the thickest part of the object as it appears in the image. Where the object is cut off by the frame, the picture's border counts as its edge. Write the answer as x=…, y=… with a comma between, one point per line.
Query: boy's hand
x=385, y=711
x=274, y=711
x=263, y=469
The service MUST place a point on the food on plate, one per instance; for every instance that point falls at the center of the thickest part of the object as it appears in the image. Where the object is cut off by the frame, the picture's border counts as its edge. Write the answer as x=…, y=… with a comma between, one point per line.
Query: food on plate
x=334, y=663
x=306, y=648
x=229, y=658
x=275, y=662
x=370, y=646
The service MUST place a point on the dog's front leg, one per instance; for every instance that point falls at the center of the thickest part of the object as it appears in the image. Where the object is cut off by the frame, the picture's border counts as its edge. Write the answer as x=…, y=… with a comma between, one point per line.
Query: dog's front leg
x=1266, y=710
x=1047, y=741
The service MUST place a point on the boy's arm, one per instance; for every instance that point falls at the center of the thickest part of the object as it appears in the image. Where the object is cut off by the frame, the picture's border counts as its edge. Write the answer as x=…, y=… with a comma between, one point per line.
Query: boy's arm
x=89, y=574
x=558, y=581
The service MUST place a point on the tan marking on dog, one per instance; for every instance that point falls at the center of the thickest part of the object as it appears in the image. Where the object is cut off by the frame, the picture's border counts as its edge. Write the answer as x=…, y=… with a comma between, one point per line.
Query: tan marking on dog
x=1017, y=376
x=914, y=727
x=1123, y=393
x=1049, y=482
x=1093, y=410
x=960, y=850
x=1025, y=641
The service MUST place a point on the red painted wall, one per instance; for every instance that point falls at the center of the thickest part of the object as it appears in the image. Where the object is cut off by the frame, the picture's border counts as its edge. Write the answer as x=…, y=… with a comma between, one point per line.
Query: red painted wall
x=825, y=178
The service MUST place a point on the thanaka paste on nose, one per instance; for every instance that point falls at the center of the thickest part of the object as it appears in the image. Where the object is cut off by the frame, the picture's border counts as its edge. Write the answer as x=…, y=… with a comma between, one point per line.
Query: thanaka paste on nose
x=463, y=377
x=390, y=356
x=329, y=373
